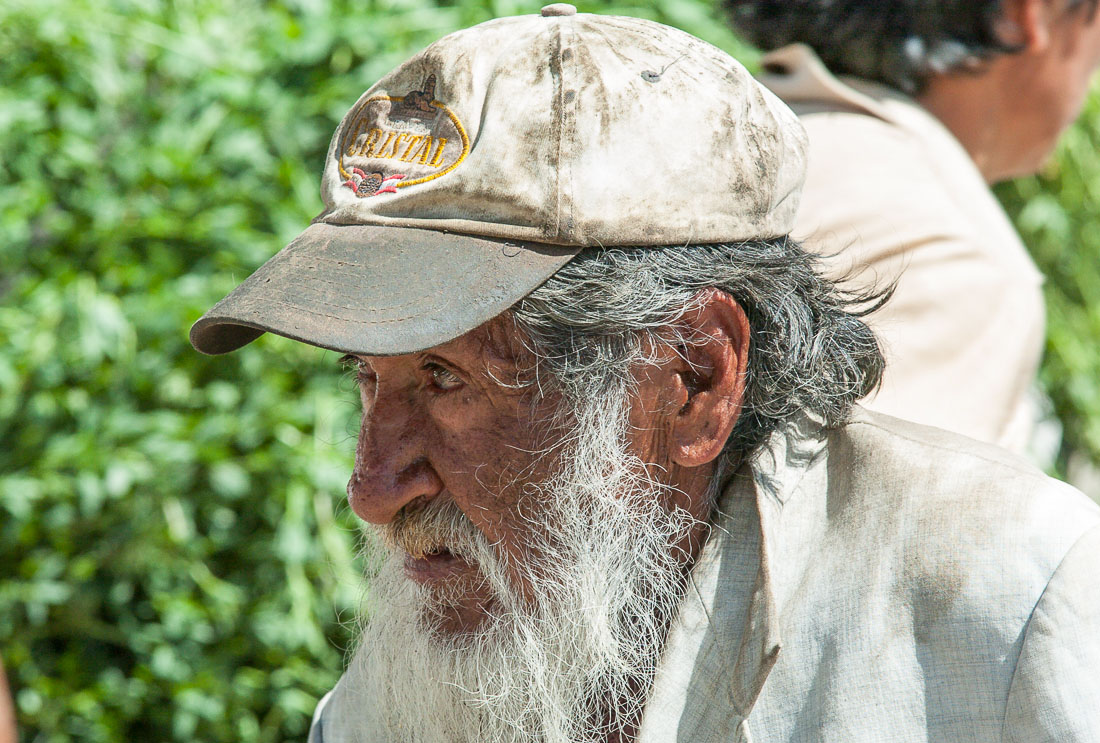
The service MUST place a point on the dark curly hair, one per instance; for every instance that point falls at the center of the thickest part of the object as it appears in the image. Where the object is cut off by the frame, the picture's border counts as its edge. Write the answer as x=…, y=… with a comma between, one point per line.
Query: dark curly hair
x=896, y=42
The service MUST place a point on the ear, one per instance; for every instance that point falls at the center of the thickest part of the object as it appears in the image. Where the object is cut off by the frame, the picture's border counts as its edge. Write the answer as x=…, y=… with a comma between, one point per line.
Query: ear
x=711, y=381
x=1025, y=24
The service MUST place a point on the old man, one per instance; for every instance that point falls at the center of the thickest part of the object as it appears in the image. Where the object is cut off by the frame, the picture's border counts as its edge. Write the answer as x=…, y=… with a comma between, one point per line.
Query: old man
x=609, y=456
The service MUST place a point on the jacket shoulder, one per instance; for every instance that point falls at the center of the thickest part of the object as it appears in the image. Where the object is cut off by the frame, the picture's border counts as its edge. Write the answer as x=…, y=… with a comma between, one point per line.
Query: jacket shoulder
x=909, y=564
x=948, y=468
x=1055, y=686
x=964, y=510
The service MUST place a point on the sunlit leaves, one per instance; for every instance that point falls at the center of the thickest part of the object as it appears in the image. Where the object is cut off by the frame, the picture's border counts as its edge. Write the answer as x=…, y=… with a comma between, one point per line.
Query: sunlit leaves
x=1058, y=214
x=176, y=554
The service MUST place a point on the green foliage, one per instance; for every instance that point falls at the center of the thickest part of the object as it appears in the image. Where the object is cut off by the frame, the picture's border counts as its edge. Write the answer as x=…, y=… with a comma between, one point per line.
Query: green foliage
x=1058, y=215
x=177, y=558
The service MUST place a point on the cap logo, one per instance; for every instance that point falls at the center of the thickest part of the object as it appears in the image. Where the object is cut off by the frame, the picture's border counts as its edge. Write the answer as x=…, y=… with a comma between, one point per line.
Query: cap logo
x=393, y=142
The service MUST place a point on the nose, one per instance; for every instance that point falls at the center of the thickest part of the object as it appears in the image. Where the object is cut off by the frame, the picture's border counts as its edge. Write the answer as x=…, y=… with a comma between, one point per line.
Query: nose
x=391, y=464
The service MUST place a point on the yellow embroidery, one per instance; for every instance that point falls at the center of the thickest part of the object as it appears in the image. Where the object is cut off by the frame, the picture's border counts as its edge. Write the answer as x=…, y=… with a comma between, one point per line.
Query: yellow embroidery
x=437, y=159
x=359, y=124
x=462, y=155
x=378, y=152
x=420, y=148
x=426, y=152
x=411, y=151
x=368, y=144
x=396, y=151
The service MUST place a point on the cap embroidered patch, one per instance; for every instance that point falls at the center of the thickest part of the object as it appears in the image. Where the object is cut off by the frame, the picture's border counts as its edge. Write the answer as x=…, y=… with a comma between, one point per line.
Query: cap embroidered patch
x=391, y=142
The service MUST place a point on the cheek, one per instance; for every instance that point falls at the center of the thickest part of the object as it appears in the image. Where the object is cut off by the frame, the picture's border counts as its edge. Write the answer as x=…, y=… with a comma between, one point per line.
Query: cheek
x=650, y=428
x=486, y=461
x=1074, y=83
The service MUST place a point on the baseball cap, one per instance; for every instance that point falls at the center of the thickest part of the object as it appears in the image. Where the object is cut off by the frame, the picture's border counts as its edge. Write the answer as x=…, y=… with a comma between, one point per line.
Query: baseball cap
x=469, y=175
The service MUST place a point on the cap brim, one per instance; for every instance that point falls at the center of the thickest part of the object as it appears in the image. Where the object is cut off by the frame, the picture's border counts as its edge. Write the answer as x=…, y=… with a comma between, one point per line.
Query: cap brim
x=378, y=291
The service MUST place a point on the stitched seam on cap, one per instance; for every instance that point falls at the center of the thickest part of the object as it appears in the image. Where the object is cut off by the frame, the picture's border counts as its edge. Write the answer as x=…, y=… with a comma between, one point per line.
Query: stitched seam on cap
x=557, y=108
x=569, y=134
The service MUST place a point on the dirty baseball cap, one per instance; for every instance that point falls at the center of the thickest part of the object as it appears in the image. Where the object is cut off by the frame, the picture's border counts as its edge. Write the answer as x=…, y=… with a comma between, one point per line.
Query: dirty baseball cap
x=469, y=175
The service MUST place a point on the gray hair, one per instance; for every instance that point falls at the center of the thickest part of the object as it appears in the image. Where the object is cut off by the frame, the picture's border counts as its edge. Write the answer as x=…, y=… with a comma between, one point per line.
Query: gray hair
x=601, y=315
x=896, y=42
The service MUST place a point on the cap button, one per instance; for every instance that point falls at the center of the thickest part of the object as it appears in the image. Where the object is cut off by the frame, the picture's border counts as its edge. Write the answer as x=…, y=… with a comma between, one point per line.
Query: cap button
x=558, y=9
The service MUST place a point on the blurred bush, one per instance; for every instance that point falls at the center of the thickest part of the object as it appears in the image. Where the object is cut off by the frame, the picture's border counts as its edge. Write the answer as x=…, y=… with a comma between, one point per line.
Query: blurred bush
x=177, y=561
x=1058, y=215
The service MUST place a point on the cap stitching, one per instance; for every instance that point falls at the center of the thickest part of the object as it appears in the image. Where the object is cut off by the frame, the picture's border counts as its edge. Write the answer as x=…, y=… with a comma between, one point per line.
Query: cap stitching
x=356, y=321
x=557, y=111
x=569, y=131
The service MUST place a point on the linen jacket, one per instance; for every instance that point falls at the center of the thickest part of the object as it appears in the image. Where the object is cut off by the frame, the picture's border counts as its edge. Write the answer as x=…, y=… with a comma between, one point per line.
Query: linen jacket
x=878, y=582
x=891, y=194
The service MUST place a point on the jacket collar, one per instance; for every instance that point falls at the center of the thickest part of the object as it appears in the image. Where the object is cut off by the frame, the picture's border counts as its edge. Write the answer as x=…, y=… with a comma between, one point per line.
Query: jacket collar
x=776, y=476
x=726, y=638
x=798, y=76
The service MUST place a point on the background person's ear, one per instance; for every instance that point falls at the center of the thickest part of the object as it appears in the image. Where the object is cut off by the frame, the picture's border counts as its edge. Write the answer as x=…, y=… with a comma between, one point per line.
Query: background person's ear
x=1026, y=24
x=713, y=378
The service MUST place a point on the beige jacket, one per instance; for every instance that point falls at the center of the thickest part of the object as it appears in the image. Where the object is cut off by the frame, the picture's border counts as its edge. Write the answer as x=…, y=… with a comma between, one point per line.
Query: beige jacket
x=876, y=583
x=886, y=582
x=895, y=194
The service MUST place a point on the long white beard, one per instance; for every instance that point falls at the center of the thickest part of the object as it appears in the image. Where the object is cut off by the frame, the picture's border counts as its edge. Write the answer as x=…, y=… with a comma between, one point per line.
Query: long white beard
x=571, y=664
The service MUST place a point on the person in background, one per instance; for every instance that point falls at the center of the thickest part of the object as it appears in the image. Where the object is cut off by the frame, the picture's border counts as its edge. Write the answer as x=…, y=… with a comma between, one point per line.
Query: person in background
x=913, y=107
x=7, y=710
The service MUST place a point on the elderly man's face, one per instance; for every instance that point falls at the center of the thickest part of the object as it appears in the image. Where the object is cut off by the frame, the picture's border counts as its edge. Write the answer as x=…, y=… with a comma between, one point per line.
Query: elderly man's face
x=456, y=426
x=534, y=552
x=449, y=425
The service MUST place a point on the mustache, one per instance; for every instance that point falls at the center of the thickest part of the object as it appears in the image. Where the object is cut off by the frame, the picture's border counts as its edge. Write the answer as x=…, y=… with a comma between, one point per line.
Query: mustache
x=428, y=527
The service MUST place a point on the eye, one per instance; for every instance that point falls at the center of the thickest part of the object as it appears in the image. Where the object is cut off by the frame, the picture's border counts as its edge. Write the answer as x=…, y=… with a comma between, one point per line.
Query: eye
x=443, y=378
x=354, y=364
